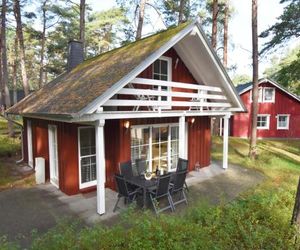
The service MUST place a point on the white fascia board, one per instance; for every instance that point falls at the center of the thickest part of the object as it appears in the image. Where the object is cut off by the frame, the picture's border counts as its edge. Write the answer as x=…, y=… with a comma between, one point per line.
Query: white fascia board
x=146, y=114
x=274, y=84
x=220, y=68
x=92, y=107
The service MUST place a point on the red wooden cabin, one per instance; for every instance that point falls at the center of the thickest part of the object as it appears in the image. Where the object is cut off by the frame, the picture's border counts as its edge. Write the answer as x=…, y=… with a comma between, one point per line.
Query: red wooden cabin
x=278, y=112
x=151, y=99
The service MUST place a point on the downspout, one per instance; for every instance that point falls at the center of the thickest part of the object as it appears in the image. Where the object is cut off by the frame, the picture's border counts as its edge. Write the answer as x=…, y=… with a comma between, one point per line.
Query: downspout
x=22, y=132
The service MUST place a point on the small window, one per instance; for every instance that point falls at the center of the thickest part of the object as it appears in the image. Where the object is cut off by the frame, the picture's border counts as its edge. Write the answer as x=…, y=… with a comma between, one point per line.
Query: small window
x=260, y=95
x=161, y=71
x=269, y=94
x=283, y=121
x=87, y=157
x=263, y=121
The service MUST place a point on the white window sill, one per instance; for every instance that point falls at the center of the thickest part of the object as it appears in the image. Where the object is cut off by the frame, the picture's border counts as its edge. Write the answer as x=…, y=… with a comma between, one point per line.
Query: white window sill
x=262, y=128
x=87, y=184
x=282, y=128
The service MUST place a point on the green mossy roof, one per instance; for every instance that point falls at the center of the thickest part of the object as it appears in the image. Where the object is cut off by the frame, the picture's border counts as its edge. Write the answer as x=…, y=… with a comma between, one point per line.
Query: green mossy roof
x=72, y=91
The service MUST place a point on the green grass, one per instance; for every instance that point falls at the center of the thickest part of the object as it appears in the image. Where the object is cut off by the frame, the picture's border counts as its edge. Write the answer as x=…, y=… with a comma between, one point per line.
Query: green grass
x=9, y=147
x=258, y=219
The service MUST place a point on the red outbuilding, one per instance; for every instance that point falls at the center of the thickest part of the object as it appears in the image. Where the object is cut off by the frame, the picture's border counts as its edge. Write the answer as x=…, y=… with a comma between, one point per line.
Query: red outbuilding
x=278, y=112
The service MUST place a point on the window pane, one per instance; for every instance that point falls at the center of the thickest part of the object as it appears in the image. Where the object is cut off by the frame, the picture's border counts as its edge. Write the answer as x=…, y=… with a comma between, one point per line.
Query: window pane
x=156, y=77
x=155, y=135
x=87, y=141
x=269, y=94
x=88, y=169
x=156, y=67
x=164, y=67
x=140, y=136
x=164, y=133
x=164, y=77
x=174, y=133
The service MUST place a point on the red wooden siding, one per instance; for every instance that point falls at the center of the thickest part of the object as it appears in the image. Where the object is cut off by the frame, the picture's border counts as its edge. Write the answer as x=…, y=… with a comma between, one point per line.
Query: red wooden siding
x=284, y=104
x=199, y=142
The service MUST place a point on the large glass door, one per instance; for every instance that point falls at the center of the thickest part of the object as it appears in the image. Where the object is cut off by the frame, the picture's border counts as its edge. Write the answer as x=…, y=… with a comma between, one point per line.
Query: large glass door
x=157, y=145
x=53, y=155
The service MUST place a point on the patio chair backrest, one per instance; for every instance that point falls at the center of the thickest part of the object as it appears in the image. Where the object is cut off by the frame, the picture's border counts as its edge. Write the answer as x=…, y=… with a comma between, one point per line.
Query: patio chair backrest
x=179, y=180
x=163, y=183
x=121, y=185
x=182, y=165
x=141, y=166
x=126, y=169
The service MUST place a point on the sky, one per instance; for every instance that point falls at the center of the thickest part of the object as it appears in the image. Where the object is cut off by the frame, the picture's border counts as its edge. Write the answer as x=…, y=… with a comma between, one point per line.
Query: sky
x=240, y=47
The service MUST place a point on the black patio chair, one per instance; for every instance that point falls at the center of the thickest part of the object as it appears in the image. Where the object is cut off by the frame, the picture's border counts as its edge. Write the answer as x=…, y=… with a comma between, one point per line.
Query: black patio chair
x=123, y=191
x=178, y=188
x=162, y=190
x=126, y=169
x=141, y=166
x=182, y=165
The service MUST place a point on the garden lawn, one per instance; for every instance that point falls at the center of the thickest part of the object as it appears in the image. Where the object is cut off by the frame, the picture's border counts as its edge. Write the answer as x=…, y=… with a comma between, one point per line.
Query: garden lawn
x=258, y=219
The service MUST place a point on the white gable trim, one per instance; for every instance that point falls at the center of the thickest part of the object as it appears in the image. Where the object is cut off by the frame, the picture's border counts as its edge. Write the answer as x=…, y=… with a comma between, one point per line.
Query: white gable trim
x=94, y=105
x=274, y=84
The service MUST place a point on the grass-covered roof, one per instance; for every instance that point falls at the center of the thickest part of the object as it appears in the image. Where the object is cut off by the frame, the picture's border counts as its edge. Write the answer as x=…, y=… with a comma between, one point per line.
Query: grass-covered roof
x=74, y=90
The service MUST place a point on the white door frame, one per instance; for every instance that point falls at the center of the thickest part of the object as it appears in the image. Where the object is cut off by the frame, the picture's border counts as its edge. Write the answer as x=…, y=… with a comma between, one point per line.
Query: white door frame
x=53, y=156
x=29, y=144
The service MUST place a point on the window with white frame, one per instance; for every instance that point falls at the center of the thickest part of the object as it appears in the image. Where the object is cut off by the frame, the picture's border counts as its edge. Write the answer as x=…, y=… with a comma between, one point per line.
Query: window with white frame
x=157, y=145
x=283, y=121
x=269, y=94
x=265, y=94
x=162, y=71
x=87, y=157
x=263, y=121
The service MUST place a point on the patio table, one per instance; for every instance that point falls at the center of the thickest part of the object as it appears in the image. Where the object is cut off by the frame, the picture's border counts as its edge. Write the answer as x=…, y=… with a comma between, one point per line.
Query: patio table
x=141, y=182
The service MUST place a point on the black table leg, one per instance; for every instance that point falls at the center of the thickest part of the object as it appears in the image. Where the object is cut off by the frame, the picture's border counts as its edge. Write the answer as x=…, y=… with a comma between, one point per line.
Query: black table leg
x=144, y=197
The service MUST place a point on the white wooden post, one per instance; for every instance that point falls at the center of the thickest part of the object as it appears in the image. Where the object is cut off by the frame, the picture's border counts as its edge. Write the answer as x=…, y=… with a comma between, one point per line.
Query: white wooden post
x=225, y=141
x=100, y=163
x=221, y=126
x=182, y=137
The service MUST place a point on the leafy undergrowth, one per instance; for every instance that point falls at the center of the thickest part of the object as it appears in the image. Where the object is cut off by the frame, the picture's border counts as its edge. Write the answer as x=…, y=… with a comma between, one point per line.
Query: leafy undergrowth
x=10, y=151
x=258, y=219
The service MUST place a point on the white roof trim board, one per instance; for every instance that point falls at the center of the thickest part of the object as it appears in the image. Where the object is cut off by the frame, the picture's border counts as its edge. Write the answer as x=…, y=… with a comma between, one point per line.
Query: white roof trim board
x=274, y=84
x=195, y=26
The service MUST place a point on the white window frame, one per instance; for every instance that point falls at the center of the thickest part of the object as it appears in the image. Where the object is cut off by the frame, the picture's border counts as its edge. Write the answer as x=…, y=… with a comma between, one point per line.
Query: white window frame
x=169, y=68
x=287, y=122
x=52, y=130
x=169, y=141
x=29, y=143
x=268, y=121
x=259, y=100
x=262, y=99
x=90, y=183
x=273, y=97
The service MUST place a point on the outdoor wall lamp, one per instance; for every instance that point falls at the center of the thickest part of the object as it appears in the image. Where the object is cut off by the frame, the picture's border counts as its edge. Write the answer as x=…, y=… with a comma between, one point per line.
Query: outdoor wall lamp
x=127, y=124
x=192, y=120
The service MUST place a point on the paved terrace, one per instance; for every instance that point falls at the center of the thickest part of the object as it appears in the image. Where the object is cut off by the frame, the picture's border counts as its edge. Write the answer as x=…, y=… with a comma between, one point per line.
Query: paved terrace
x=41, y=207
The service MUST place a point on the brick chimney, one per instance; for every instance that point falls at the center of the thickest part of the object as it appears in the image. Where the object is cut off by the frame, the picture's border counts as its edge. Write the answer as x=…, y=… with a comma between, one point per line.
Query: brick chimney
x=75, y=54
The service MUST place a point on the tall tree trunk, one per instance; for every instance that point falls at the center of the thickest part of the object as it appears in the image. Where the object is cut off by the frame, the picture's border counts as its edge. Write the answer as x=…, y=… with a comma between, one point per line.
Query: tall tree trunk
x=41, y=82
x=253, y=138
x=181, y=10
x=15, y=71
x=19, y=30
x=4, y=63
x=1, y=82
x=296, y=211
x=82, y=23
x=140, y=19
x=225, y=49
x=214, y=24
